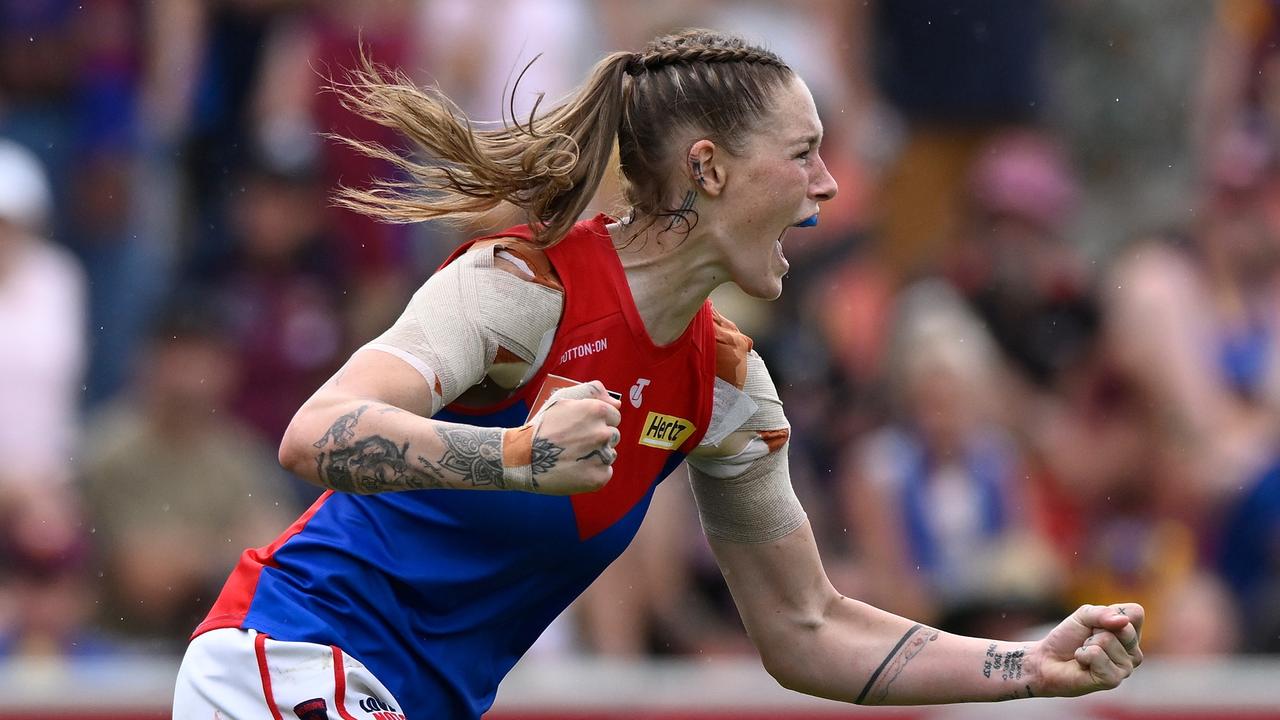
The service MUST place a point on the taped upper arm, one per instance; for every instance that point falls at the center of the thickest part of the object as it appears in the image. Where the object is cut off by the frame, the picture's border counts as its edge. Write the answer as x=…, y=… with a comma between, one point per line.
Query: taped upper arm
x=475, y=317
x=747, y=418
x=739, y=473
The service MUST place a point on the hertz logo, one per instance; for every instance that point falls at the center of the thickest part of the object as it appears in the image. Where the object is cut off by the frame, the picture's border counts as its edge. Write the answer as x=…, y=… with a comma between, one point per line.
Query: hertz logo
x=666, y=432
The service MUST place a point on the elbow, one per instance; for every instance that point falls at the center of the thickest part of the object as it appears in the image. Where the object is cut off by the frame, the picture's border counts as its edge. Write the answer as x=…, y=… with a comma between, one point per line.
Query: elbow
x=792, y=650
x=786, y=665
x=787, y=655
x=287, y=455
x=779, y=668
x=296, y=454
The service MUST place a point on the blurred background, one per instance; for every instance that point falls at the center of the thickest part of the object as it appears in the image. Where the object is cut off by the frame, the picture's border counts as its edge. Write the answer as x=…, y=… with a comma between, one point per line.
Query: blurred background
x=1031, y=355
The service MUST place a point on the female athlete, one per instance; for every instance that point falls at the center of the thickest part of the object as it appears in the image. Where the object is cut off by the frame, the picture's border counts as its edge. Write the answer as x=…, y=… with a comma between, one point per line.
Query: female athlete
x=497, y=447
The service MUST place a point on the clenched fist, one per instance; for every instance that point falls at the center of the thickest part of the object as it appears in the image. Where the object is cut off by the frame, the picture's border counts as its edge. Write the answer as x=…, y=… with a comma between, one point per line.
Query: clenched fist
x=1095, y=648
x=574, y=439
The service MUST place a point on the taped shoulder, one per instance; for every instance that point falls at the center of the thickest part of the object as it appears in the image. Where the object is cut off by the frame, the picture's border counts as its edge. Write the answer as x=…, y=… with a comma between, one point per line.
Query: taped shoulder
x=523, y=259
x=746, y=424
x=732, y=348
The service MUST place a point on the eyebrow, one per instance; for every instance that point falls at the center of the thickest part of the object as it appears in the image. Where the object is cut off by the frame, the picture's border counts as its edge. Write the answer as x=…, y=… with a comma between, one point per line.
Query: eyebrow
x=810, y=139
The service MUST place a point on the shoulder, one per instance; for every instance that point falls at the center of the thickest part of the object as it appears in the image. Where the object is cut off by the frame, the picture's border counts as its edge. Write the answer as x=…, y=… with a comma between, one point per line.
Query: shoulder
x=747, y=420
x=732, y=348
x=521, y=258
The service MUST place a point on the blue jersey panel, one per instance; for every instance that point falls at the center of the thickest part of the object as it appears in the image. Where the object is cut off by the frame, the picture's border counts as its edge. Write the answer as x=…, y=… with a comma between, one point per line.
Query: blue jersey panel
x=438, y=592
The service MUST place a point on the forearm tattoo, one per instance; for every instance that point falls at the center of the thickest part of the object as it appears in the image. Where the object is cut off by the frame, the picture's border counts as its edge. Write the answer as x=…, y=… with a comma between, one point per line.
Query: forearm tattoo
x=1009, y=664
x=473, y=453
x=373, y=463
x=876, y=690
x=342, y=429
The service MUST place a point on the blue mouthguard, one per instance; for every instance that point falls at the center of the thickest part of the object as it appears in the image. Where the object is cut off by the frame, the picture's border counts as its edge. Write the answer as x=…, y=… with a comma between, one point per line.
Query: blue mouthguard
x=808, y=222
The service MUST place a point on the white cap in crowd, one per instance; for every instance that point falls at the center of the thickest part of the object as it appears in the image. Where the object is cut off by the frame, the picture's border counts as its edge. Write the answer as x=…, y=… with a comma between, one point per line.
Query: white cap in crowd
x=25, y=196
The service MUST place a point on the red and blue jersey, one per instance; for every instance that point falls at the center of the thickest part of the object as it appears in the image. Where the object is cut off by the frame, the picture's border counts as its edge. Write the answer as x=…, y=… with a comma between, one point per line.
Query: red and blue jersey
x=439, y=592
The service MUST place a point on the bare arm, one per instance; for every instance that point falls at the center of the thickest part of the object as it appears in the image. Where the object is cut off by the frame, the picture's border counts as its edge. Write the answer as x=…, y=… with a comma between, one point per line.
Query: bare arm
x=369, y=428
x=814, y=640
x=363, y=432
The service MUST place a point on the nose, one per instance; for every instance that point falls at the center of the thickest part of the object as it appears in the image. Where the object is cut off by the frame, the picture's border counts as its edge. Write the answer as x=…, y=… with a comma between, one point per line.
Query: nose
x=822, y=186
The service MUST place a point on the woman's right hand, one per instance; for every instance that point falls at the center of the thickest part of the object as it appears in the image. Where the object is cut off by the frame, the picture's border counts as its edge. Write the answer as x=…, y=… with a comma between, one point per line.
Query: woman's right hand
x=575, y=436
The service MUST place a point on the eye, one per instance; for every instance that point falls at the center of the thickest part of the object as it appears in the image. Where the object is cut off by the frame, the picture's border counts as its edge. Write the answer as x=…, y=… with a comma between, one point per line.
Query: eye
x=803, y=155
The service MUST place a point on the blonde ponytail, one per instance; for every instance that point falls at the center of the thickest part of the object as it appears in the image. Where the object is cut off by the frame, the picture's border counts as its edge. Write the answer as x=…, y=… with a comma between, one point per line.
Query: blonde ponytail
x=550, y=165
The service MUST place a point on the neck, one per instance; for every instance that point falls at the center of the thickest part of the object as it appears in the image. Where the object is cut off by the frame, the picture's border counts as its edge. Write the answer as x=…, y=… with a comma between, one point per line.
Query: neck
x=670, y=274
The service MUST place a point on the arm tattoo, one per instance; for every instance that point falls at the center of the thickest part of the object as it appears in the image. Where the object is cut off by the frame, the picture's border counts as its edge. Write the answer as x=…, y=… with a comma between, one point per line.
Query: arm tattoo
x=1009, y=664
x=474, y=453
x=374, y=463
x=342, y=429
x=894, y=663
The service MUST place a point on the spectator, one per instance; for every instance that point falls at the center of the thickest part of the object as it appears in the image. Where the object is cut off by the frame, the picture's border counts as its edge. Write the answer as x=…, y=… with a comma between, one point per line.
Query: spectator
x=935, y=498
x=957, y=72
x=290, y=103
x=283, y=294
x=172, y=478
x=1194, y=326
x=1249, y=559
x=45, y=555
x=42, y=358
x=1011, y=261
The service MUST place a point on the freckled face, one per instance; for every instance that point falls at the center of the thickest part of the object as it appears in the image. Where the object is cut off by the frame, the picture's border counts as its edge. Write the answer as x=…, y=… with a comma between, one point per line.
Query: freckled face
x=776, y=182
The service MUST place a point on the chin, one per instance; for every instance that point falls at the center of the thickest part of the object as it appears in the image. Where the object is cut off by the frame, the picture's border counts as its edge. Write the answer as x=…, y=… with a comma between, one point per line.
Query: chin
x=768, y=290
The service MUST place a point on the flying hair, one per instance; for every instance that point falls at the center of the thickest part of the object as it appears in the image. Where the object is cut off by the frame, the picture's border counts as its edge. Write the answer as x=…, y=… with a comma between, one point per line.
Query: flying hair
x=692, y=83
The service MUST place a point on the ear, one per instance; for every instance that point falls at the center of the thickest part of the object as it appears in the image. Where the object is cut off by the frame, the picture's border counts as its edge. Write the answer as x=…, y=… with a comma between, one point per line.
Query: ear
x=705, y=168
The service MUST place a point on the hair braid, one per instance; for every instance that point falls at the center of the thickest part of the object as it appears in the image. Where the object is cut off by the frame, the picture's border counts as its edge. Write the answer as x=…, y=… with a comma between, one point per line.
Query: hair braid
x=684, y=56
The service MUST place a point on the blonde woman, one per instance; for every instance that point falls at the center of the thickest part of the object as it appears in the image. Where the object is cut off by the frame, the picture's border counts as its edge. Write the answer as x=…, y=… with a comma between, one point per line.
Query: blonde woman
x=497, y=447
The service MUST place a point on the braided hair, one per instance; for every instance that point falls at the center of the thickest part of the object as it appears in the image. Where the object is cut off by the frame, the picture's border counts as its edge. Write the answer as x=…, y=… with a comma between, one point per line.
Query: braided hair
x=695, y=47
x=694, y=82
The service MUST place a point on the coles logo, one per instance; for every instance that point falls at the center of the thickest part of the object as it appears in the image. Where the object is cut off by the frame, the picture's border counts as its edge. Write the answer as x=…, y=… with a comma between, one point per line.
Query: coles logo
x=665, y=432
x=379, y=710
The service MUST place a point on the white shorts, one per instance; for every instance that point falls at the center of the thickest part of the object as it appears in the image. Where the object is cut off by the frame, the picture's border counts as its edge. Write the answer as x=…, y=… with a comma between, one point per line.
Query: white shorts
x=232, y=674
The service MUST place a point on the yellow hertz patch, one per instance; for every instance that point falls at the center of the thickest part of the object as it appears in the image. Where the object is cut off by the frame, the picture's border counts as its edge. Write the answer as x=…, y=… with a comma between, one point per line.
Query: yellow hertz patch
x=666, y=432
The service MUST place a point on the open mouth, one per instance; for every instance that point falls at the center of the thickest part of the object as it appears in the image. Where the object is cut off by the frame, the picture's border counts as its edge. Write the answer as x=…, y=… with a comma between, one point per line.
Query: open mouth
x=810, y=221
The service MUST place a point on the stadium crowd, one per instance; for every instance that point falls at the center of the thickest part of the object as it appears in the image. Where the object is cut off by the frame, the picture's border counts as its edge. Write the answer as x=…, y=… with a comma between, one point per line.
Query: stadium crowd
x=1051, y=282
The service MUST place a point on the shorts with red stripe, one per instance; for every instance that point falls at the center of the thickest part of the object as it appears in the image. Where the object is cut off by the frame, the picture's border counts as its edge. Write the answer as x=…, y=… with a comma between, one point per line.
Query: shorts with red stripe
x=233, y=674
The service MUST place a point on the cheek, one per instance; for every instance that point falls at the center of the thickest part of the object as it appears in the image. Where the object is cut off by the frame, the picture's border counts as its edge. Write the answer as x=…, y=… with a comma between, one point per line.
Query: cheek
x=779, y=189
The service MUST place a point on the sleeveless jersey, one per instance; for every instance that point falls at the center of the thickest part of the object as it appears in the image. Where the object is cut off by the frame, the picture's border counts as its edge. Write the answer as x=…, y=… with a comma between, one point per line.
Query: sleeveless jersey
x=439, y=592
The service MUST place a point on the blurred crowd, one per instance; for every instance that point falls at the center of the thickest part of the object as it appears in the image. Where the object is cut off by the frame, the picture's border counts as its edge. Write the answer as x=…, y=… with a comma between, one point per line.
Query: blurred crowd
x=1031, y=355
